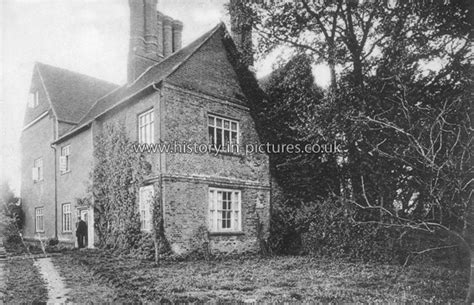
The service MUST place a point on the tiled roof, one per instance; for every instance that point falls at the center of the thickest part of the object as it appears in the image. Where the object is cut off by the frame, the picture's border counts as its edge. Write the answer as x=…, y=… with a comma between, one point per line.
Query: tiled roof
x=72, y=94
x=153, y=75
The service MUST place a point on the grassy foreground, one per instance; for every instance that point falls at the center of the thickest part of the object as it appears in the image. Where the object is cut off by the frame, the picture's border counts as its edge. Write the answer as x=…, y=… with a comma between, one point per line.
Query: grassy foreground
x=24, y=283
x=276, y=279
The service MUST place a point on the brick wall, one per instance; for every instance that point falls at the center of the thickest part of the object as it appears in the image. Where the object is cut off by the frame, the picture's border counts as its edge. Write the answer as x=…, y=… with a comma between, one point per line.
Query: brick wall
x=189, y=176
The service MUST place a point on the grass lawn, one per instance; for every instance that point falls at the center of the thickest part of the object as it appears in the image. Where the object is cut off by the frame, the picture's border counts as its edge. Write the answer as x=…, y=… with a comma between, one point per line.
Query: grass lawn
x=24, y=284
x=100, y=274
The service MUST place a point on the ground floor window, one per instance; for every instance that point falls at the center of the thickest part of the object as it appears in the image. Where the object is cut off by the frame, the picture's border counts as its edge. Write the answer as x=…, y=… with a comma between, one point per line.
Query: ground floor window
x=67, y=218
x=39, y=219
x=224, y=210
x=144, y=204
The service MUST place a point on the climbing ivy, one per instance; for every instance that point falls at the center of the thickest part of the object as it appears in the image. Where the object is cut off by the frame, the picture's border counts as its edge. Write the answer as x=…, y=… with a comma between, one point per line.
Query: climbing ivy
x=117, y=175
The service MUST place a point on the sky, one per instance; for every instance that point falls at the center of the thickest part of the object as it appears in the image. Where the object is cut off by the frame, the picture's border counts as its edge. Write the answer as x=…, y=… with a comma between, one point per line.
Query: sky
x=86, y=36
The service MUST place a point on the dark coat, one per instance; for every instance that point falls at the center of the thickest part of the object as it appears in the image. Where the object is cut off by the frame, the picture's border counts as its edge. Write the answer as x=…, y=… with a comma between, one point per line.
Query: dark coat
x=81, y=228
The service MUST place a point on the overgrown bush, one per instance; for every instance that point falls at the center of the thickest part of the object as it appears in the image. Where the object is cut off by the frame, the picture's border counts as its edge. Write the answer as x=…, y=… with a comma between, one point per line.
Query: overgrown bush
x=328, y=228
x=11, y=229
x=333, y=228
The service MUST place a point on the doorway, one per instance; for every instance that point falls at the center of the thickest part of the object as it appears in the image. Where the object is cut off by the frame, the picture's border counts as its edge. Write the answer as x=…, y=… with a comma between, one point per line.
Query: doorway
x=88, y=217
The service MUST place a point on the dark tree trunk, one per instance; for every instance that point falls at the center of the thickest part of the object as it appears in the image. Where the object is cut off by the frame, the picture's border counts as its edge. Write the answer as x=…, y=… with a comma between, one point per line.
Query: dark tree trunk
x=470, y=291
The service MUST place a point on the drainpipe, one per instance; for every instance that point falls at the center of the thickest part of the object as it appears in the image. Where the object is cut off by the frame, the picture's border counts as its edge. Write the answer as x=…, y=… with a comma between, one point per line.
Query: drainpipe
x=55, y=194
x=161, y=134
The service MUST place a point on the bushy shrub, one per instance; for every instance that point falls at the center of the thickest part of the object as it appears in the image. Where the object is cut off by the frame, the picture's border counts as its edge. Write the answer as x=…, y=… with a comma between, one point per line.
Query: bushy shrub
x=52, y=241
x=10, y=232
x=329, y=228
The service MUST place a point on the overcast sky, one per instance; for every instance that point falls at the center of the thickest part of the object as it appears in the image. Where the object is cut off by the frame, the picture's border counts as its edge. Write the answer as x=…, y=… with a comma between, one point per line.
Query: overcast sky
x=87, y=36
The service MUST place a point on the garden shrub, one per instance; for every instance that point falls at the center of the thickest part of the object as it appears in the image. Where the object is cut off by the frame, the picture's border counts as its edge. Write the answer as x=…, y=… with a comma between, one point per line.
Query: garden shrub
x=328, y=228
x=11, y=230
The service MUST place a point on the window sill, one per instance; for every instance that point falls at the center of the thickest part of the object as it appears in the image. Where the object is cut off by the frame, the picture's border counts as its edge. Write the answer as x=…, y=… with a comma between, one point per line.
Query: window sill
x=214, y=152
x=66, y=172
x=68, y=232
x=226, y=233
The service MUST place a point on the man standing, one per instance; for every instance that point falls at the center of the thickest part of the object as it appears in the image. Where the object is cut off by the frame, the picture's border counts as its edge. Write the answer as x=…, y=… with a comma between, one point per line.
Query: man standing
x=81, y=231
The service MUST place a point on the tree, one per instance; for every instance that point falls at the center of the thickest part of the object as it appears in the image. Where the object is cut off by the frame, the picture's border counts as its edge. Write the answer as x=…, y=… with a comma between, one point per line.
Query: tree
x=290, y=115
x=405, y=127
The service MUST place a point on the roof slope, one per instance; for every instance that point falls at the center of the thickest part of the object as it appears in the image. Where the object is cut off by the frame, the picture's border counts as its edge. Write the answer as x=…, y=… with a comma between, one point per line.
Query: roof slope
x=210, y=70
x=71, y=94
x=238, y=81
x=154, y=74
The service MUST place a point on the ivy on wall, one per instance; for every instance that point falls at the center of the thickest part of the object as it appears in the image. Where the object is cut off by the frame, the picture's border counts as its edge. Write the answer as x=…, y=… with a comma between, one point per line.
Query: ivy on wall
x=117, y=176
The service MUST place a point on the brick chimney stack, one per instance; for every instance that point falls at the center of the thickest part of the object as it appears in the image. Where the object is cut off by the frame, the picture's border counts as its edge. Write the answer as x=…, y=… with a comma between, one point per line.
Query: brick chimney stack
x=159, y=17
x=177, y=27
x=153, y=36
x=241, y=30
x=167, y=36
x=151, y=29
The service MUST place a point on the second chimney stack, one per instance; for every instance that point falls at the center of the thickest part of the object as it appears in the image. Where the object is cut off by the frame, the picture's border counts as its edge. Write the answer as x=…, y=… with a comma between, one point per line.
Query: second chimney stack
x=177, y=32
x=167, y=36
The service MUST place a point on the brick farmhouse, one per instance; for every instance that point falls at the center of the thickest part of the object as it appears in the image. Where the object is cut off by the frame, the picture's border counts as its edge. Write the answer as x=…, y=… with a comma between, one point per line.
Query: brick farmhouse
x=193, y=94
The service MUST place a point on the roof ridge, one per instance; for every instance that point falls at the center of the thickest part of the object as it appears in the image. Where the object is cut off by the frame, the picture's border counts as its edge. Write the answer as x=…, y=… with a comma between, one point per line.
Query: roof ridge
x=46, y=91
x=99, y=99
x=207, y=34
x=39, y=64
x=201, y=40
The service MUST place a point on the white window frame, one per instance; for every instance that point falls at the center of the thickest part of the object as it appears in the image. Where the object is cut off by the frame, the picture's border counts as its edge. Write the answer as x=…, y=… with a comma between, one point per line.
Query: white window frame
x=145, y=201
x=224, y=209
x=38, y=170
x=33, y=101
x=39, y=219
x=216, y=124
x=65, y=159
x=146, y=127
x=67, y=218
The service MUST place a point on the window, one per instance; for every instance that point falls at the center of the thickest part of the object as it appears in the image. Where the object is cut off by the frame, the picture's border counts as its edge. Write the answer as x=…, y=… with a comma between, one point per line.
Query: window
x=64, y=159
x=39, y=220
x=222, y=132
x=146, y=132
x=67, y=218
x=38, y=170
x=144, y=205
x=33, y=99
x=224, y=210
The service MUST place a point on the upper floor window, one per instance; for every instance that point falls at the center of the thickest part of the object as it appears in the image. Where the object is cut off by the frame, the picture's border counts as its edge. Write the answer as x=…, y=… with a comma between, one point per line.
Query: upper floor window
x=39, y=219
x=145, y=201
x=224, y=210
x=67, y=217
x=64, y=159
x=146, y=127
x=38, y=170
x=33, y=99
x=222, y=131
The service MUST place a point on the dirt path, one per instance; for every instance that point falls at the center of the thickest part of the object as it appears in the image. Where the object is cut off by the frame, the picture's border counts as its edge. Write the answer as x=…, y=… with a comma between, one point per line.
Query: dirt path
x=57, y=291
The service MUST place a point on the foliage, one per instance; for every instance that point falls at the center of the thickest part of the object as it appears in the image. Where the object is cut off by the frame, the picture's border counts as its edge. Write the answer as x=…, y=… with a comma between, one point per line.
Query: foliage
x=406, y=128
x=296, y=103
x=118, y=174
x=10, y=207
x=201, y=244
